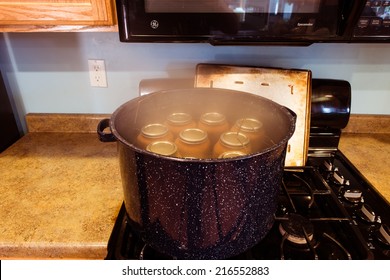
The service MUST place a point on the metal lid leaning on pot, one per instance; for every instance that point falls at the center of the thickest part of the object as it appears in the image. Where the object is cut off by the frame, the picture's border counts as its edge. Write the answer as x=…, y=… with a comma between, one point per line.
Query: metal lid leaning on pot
x=193, y=135
x=165, y=148
x=154, y=130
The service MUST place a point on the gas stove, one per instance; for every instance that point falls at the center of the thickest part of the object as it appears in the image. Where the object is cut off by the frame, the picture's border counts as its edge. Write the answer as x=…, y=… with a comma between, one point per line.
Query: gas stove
x=326, y=209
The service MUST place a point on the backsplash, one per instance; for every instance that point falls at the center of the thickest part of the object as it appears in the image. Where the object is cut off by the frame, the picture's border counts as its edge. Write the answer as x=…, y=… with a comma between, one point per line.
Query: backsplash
x=48, y=72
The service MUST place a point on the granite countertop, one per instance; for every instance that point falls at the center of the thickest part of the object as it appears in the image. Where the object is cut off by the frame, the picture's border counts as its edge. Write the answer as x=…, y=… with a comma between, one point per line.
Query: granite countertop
x=370, y=153
x=366, y=143
x=61, y=188
x=60, y=195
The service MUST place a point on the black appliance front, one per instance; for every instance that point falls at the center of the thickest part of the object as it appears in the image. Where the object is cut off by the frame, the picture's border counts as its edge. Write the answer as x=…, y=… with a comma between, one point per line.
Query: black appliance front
x=236, y=22
x=8, y=127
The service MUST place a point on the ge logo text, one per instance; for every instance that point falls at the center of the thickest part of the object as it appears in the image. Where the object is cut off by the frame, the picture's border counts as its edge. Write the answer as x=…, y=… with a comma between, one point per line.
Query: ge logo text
x=154, y=24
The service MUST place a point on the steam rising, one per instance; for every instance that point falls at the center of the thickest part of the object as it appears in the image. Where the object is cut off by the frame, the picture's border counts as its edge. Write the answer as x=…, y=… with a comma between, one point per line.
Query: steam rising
x=155, y=107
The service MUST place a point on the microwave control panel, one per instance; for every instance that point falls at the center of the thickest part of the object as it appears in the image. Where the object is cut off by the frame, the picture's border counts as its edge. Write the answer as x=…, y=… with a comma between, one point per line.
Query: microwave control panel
x=374, y=21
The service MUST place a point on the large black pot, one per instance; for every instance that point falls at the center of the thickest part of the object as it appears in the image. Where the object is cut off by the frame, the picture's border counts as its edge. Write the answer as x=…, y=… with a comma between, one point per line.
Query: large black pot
x=200, y=208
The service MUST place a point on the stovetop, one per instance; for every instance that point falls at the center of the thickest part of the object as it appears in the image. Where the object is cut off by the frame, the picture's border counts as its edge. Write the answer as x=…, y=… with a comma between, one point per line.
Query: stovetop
x=368, y=210
x=326, y=210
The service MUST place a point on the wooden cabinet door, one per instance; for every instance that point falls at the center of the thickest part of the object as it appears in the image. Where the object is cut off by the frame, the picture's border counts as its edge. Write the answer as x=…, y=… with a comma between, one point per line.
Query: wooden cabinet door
x=57, y=12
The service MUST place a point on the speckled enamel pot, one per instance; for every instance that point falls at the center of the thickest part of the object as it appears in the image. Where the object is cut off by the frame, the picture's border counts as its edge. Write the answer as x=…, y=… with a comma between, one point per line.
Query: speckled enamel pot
x=200, y=208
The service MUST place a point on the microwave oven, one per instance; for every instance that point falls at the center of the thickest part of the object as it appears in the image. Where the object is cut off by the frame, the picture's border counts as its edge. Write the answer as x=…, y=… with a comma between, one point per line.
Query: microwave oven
x=253, y=22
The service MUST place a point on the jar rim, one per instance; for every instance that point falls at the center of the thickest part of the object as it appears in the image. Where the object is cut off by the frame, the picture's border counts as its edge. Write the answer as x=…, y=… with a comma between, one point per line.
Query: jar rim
x=179, y=118
x=212, y=118
x=165, y=148
x=193, y=135
x=154, y=130
x=249, y=124
x=231, y=154
x=234, y=139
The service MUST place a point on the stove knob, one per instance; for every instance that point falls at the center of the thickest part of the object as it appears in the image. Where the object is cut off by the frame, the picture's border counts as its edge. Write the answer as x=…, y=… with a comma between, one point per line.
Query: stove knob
x=340, y=178
x=328, y=165
x=367, y=214
x=353, y=195
x=383, y=234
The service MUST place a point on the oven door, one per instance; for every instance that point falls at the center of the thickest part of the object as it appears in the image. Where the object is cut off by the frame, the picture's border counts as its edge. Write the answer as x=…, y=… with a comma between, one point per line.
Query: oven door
x=234, y=21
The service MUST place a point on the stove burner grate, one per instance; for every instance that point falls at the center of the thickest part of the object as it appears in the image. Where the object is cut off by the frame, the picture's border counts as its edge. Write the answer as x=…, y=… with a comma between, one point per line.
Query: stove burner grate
x=296, y=229
x=299, y=231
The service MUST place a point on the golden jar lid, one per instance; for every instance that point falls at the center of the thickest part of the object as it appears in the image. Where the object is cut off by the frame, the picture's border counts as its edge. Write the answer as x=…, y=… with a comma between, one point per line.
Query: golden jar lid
x=164, y=148
x=193, y=135
x=212, y=118
x=249, y=124
x=232, y=154
x=154, y=130
x=234, y=139
x=179, y=118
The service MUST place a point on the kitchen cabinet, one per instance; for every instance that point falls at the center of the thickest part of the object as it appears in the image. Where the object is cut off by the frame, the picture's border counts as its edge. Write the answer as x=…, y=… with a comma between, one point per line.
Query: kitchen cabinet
x=56, y=15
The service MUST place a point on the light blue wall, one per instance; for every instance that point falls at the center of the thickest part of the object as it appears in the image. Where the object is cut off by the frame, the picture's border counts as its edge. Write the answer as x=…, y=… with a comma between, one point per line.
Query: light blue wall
x=48, y=72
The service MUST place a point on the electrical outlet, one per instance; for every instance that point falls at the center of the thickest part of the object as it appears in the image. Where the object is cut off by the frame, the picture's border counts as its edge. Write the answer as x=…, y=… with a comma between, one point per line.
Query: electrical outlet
x=97, y=73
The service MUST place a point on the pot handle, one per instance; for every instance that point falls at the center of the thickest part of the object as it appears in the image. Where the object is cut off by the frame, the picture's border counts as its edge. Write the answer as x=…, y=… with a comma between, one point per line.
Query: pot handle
x=292, y=113
x=103, y=136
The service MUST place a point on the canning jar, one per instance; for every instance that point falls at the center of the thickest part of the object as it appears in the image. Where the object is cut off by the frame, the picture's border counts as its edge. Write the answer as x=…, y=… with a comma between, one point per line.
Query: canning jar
x=232, y=154
x=214, y=124
x=179, y=121
x=253, y=129
x=153, y=132
x=165, y=148
x=232, y=141
x=193, y=143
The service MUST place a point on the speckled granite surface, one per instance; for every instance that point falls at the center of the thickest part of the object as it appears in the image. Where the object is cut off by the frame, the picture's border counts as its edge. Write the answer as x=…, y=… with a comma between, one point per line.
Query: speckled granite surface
x=68, y=123
x=60, y=194
x=368, y=124
x=61, y=191
x=366, y=143
x=370, y=153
